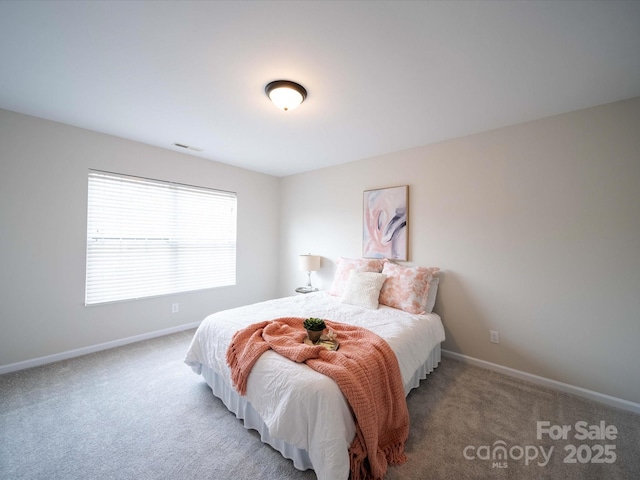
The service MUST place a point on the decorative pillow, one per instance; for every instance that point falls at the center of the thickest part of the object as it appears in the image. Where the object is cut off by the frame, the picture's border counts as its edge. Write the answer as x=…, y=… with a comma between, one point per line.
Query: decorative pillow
x=363, y=289
x=346, y=265
x=406, y=288
x=431, y=294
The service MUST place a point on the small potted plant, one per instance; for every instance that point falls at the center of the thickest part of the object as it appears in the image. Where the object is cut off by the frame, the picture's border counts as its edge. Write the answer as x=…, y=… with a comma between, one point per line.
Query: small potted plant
x=314, y=327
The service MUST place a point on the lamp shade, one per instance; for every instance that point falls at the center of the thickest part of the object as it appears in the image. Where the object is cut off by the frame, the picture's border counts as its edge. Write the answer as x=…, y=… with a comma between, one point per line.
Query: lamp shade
x=286, y=95
x=309, y=263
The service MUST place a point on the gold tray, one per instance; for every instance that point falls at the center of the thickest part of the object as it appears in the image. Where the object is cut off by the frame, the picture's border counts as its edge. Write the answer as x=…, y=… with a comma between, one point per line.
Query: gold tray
x=325, y=342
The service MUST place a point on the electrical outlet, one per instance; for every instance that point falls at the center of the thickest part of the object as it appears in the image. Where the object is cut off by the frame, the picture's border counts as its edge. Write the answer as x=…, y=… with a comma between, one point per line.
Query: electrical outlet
x=494, y=336
x=175, y=307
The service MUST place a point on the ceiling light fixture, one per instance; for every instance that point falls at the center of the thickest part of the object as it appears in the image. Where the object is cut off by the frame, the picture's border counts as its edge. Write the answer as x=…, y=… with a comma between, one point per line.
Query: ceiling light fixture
x=285, y=94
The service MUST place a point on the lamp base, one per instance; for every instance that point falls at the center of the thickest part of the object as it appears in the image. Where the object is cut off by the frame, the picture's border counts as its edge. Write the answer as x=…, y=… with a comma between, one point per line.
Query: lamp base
x=306, y=289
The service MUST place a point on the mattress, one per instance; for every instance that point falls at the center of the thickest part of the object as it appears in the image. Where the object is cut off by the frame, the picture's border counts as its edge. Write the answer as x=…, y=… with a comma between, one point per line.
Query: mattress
x=297, y=410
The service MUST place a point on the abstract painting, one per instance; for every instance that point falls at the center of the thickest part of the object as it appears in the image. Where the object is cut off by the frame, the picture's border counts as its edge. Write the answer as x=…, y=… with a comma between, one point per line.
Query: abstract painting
x=385, y=223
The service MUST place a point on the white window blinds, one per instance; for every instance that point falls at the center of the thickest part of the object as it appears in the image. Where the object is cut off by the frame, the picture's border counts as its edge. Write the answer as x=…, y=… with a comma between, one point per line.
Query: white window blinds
x=148, y=237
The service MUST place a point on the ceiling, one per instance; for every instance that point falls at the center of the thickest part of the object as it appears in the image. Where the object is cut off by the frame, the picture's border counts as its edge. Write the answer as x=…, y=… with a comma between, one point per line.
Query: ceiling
x=381, y=76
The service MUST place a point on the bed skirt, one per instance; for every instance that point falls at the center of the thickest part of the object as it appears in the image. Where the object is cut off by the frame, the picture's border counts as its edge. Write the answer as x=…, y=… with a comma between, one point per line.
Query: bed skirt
x=252, y=420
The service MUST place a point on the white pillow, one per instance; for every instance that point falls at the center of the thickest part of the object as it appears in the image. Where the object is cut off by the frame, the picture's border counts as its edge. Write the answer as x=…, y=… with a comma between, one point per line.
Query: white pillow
x=431, y=294
x=346, y=265
x=363, y=289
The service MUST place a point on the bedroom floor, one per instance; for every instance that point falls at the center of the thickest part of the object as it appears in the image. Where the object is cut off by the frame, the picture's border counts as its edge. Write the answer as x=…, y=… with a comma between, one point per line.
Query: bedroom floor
x=139, y=412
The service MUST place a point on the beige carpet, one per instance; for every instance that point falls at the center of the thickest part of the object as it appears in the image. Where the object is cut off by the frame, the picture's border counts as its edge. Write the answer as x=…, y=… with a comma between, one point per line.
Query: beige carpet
x=137, y=412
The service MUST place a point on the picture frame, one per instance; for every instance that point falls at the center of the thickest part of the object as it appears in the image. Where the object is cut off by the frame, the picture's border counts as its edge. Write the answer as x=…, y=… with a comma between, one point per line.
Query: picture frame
x=385, y=223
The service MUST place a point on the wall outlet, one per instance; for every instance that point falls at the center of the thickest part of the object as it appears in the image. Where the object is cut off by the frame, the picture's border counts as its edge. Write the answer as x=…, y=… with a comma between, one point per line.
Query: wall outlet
x=175, y=307
x=494, y=336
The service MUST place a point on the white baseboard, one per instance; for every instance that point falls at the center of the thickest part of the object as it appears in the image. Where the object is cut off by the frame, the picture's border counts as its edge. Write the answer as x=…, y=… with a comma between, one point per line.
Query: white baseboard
x=35, y=362
x=547, y=382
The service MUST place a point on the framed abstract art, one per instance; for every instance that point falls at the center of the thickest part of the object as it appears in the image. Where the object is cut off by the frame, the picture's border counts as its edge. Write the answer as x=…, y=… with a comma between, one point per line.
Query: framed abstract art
x=385, y=223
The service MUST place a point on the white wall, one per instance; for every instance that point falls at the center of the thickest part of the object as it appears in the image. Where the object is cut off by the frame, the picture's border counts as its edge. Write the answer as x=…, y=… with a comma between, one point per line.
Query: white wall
x=43, y=196
x=536, y=228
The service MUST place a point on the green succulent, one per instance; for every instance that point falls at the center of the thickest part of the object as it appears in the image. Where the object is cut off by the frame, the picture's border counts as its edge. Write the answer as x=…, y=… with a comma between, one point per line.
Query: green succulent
x=314, y=324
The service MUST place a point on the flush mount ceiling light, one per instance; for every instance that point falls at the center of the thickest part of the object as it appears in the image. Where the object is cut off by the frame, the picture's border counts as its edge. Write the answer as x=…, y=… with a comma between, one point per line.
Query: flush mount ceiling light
x=285, y=95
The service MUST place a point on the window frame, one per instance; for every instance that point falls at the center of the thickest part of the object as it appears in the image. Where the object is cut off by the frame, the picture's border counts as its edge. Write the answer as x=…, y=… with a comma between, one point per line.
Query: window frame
x=148, y=238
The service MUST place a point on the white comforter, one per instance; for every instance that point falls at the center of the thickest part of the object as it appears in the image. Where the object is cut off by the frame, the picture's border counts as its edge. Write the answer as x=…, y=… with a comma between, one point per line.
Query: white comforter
x=298, y=404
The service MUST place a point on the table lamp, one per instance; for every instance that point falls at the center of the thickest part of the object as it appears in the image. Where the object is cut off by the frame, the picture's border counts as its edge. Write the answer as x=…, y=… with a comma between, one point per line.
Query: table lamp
x=309, y=263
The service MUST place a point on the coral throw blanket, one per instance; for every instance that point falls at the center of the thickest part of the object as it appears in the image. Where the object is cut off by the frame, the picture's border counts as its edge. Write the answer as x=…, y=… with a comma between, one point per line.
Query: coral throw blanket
x=364, y=367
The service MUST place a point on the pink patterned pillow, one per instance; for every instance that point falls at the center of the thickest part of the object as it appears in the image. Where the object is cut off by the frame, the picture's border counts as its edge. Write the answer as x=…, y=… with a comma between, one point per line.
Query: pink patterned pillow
x=346, y=265
x=406, y=288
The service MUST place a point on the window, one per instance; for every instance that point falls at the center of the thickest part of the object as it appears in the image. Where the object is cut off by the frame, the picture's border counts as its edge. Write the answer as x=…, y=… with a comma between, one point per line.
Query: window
x=148, y=237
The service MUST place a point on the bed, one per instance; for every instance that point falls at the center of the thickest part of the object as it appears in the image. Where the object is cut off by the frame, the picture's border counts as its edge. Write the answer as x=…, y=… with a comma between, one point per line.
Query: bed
x=298, y=411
